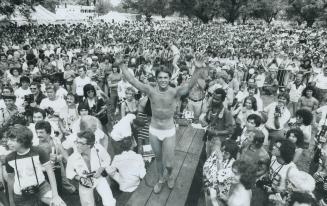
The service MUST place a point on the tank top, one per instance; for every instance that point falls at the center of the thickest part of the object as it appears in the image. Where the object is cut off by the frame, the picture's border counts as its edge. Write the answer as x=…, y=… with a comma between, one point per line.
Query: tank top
x=80, y=83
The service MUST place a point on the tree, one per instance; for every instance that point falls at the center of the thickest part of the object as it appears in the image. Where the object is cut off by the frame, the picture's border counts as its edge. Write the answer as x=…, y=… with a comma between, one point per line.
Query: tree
x=8, y=7
x=305, y=10
x=267, y=9
x=148, y=7
x=205, y=10
x=24, y=7
x=50, y=4
x=103, y=7
x=231, y=9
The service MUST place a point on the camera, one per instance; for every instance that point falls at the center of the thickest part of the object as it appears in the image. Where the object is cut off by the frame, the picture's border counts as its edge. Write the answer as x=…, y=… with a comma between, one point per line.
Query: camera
x=278, y=111
x=49, y=111
x=321, y=135
x=265, y=183
x=88, y=174
x=29, y=98
x=31, y=190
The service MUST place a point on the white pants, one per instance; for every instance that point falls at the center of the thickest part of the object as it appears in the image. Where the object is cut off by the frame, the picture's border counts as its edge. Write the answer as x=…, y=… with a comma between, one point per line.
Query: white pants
x=87, y=198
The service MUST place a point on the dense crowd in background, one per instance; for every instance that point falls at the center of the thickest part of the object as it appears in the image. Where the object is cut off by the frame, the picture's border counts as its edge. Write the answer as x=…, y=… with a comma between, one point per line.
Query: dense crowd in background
x=261, y=100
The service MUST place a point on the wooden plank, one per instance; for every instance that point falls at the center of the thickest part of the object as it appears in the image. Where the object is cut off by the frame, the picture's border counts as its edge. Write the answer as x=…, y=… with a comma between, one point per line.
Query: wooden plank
x=144, y=190
x=161, y=198
x=184, y=180
x=184, y=144
x=197, y=143
x=180, y=133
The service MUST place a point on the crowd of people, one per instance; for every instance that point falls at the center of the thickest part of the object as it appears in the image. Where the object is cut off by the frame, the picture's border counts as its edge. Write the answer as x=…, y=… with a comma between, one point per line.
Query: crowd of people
x=81, y=105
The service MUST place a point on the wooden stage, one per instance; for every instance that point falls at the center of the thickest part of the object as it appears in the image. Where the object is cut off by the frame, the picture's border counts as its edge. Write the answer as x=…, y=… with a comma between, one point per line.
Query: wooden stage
x=189, y=146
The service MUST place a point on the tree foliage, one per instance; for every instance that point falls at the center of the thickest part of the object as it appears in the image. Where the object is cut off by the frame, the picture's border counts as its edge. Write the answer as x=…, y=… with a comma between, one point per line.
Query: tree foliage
x=266, y=9
x=103, y=7
x=204, y=10
x=231, y=9
x=24, y=7
x=306, y=10
x=149, y=7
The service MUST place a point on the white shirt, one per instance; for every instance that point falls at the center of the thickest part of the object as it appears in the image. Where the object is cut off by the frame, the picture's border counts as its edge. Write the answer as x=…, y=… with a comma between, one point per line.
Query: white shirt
x=131, y=170
x=295, y=92
x=121, y=88
x=58, y=105
x=76, y=165
x=61, y=93
x=321, y=81
x=285, y=116
x=323, y=111
x=80, y=83
x=20, y=97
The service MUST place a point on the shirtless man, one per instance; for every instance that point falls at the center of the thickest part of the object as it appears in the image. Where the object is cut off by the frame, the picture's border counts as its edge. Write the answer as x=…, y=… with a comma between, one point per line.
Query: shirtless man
x=162, y=129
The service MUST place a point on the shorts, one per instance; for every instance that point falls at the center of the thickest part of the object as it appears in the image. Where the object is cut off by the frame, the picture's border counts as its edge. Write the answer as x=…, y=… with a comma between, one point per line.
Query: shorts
x=161, y=134
x=44, y=192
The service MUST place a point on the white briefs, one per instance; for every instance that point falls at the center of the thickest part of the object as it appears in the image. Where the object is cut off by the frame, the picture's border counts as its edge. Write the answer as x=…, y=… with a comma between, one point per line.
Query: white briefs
x=161, y=134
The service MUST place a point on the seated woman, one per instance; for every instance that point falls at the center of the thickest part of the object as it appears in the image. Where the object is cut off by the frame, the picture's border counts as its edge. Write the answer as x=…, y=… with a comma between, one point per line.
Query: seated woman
x=129, y=106
x=217, y=172
x=96, y=105
x=127, y=168
x=296, y=136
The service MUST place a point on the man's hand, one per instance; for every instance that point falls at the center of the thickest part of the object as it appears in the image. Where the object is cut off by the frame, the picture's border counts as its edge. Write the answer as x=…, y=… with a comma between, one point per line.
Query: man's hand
x=119, y=58
x=98, y=172
x=199, y=61
x=57, y=201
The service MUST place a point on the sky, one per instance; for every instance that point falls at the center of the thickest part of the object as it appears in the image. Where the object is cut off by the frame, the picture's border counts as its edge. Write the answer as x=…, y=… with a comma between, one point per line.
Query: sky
x=115, y=2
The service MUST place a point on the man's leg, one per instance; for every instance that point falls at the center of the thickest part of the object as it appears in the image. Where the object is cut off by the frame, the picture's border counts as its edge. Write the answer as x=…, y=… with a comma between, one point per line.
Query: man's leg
x=105, y=192
x=156, y=145
x=86, y=196
x=168, y=152
x=175, y=61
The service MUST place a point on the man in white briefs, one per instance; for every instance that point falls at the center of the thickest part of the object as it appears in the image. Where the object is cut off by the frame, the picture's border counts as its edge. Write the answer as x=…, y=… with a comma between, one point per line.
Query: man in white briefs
x=162, y=129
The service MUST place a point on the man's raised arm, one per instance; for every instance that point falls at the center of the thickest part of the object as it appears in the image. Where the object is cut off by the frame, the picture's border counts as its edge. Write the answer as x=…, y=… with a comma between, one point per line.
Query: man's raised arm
x=199, y=64
x=130, y=77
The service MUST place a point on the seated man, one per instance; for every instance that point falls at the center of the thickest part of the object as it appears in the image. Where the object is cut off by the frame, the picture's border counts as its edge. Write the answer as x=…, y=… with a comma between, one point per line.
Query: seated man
x=26, y=182
x=88, y=165
x=127, y=168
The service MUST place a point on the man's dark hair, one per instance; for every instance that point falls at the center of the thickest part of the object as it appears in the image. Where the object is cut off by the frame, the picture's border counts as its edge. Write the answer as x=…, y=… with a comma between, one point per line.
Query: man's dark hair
x=24, y=79
x=306, y=115
x=38, y=110
x=126, y=143
x=88, y=135
x=43, y=125
x=37, y=84
x=231, y=147
x=258, y=138
x=246, y=169
x=257, y=119
x=287, y=150
x=301, y=197
x=221, y=92
x=164, y=69
x=285, y=95
x=22, y=134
